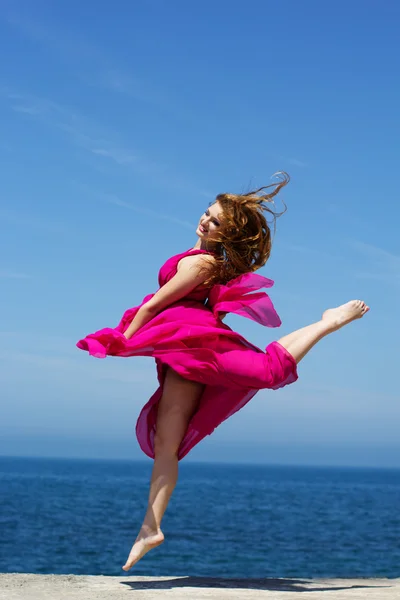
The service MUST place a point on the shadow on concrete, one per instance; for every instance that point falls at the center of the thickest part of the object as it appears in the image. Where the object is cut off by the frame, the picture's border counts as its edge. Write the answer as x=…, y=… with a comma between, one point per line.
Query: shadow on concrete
x=282, y=585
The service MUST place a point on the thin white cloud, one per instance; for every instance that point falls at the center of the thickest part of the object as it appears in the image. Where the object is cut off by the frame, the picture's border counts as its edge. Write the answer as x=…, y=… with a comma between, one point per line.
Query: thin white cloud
x=91, y=136
x=22, y=219
x=297, y=248
x=72, y=46
x=28, y=110
x=117, y=201
x=297, y=163
x=311, y=253
x=67, y=366
x=378, y=253
x=7, y=274
x=112, y=199
x=120, y=82
x=81, y=131
x=120, y=157
x=78, y=127
x=380, y=264
x=359, y=394
x=97, y=140
x=93, y=65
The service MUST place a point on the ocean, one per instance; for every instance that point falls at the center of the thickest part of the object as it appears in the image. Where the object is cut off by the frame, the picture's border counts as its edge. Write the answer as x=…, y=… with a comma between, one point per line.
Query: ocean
x=69, y=516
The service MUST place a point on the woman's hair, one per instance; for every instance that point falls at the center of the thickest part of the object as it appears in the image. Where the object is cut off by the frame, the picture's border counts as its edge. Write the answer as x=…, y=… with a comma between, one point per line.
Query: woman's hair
x=244, y=240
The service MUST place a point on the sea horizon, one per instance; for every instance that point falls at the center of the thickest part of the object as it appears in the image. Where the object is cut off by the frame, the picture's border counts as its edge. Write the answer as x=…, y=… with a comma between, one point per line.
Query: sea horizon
x=203, y=462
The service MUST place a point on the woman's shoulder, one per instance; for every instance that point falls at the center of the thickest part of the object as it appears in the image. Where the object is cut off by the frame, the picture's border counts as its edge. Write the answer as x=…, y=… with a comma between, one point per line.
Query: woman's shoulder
x=194, y=260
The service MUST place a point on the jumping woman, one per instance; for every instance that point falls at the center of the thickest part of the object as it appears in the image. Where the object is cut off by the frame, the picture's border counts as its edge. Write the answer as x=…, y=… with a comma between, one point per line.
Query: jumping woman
x=206, y=371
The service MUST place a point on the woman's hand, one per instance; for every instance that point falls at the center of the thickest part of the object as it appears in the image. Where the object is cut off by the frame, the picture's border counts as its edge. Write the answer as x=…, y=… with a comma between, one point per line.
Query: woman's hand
x=143, y=316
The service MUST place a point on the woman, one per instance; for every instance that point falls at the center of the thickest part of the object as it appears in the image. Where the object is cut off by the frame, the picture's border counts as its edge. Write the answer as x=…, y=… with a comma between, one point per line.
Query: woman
x=205, y=370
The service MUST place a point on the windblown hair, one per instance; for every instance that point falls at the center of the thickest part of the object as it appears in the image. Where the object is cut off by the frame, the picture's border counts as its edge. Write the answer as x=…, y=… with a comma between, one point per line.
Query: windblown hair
x=244, y=240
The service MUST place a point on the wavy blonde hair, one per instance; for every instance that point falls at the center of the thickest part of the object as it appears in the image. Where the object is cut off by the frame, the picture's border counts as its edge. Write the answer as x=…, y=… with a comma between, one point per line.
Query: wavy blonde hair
x=244, y=241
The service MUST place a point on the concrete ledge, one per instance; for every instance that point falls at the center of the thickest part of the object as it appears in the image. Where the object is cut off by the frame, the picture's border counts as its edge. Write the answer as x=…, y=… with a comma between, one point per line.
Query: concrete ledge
x=21, y=586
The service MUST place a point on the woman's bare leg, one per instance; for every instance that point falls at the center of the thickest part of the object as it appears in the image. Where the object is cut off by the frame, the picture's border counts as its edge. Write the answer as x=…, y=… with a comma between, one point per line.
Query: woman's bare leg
x=179, y=401
x=178, y=404
x=300, y=342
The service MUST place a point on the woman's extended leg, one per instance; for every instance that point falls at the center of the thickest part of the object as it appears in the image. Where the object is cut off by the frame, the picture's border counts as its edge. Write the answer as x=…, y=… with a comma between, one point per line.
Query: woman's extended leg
x=301, y=341
x=276, y=367
x=177, y=405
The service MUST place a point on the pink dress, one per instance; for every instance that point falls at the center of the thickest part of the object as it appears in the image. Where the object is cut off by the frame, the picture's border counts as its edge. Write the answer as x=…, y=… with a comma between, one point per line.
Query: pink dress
x=190, y=337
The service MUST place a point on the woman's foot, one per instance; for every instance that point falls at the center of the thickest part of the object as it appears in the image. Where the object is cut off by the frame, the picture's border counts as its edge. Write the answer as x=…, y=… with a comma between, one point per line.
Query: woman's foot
x=335, y=318
x=145, y=541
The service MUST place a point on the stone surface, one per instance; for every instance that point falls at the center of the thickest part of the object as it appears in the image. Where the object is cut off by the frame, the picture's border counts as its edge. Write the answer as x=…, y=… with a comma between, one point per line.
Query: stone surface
x=21, y=586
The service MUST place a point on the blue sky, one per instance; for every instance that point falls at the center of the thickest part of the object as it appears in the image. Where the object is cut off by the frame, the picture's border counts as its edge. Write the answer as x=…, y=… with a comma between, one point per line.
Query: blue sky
x=119, y=124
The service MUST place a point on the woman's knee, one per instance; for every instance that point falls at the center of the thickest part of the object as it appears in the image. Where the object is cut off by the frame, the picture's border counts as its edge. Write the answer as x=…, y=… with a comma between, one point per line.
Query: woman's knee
x=165, y=445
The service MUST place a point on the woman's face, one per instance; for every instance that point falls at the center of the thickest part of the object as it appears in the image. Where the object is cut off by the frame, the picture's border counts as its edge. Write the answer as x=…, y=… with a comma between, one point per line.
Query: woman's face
x=210, y=221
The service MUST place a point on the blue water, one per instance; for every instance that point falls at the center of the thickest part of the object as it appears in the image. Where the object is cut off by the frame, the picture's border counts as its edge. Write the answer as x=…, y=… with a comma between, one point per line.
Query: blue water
x=81, y=517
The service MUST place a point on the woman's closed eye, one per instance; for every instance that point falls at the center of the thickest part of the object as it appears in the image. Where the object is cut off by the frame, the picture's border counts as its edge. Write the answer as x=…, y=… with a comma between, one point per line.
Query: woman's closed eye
x=214, y=220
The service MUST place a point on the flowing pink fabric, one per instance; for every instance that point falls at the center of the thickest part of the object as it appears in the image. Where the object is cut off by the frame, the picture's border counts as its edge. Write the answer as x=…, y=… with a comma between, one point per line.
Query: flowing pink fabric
x=190, y=337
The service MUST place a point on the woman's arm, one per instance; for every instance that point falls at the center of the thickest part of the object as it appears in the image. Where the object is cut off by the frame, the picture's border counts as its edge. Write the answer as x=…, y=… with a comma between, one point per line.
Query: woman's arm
x=186, y=279
x=143, y=316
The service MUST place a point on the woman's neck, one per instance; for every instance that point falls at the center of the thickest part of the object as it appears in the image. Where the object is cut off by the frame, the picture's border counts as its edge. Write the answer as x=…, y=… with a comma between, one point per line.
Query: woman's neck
x=200, y=245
